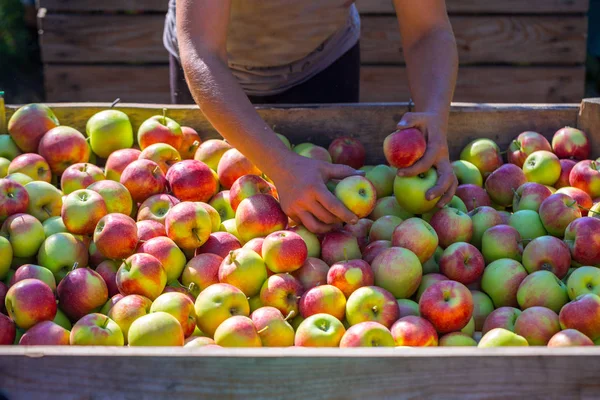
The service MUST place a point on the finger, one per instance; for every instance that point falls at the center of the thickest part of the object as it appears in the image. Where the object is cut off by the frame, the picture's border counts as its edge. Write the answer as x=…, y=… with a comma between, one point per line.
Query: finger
x=422, y=165
x=410, y=120
x=340, y=171
x=322, y=214
x=447, y=197
x=312, y=224
x=336, y=207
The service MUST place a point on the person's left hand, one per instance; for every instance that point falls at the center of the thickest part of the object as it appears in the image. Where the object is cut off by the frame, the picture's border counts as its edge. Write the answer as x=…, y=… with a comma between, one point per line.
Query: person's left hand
x=433, y=127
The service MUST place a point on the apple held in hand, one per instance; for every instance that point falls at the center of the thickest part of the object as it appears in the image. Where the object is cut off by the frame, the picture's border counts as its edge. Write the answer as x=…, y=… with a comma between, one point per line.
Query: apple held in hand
x=29, y=302
x=571, y=143
x=358, y=194
x=217, y=303
x=410, y=191
x=525, y=144
x=109, y=131
x=29, y=123
x=448, y=305
x=319, y=330
x=405, y=147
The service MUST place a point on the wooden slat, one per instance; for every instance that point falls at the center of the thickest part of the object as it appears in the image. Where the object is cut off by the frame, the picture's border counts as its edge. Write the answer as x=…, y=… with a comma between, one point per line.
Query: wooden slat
x=120, y=373
x=104, y=5
x=371, y=123
x=70, y=38
x=503, y=84
x=589, y=121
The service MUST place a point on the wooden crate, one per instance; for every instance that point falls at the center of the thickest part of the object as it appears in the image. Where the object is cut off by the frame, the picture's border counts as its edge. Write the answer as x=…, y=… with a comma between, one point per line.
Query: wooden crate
x=510, y=51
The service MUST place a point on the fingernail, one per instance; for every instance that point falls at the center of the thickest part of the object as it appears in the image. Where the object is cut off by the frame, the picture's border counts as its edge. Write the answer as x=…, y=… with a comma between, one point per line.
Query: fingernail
x=402, y=123
x=360, y=172
x=353, y=221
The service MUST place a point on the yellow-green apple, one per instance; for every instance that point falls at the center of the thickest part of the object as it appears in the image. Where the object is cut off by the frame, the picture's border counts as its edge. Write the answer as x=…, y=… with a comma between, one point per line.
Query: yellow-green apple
x=217, y=303
x=282, y=291
x=319, y=330
x=284, y=251
x=358, y=194
x=244, y=269
x=382, y=178
x=30, y=301
x=230, y=226
x=46, y=333
x=143, y=178
x=190, y=143
x=128, y=309
x=404, y=147
x=528, y=223
x=60, y=252
x=501, y=280
x=25, y=234
x=110, y=303
x=233, y=165
x=188, y=225
x=142, y=274
x=467, y=173
x=547, y=253
x=583, y=238
x=542, y=167
x=313, y=244
x=457, y=339
x=566, y=166
x=166, y=251
x=148, y=229
x=249, y=185
x=80, y=176
x=530, y=196
x=584, y=201
x=525, y=144
x=115, y=195
x=408, y=307
x=452, y=226
x=360, y=231
x=586, y=176
x=116, y=236
x=432, y=264
x=8, y=147
x=542, y=288
x=33, y=165
x=484, y=154
x=384, y=227
x=499, y=337
x=272, y=327
x=326, y=299
x=155, y=329
x=14, y=198
x=107, y=269
x=211, y=151
x=285, y=140
x=32, y=271
x=367, y=334
x=389, y=206
x=350, y=275
x=81, y=211
x=4, y=163
x=584, y=280
x=462, y=262
x=418, y=236
x=177, y=287
x=313, y=151
x=45, y=200
x=414, y=331
x=29, y=123
x=537, y=325
x=96, y=330
x=557, y=212
x=482, y=307
x=192, y=180
x=222, y=203
x=255, y=303
x=569, y=338
x=373, y=249
x=118, y=161
x=19, y=178
x=199, y=341
x=237, y=331
x=571, y=143
x=410, y=191
x=215, y=218
x=501, y=241
x=180, y=306
x=473, y=196
x=372, y=303
x=427, y=281
x=109, y=131
x=6, y=258
x=219, y=243
x=483, y=218
x=258, y=216
x=312, y=273
x=348, y=151
x=162, y=154
x=80, y=292
x=63, y=146
x=156, y=207
x=503, y=182
x=582, y=314
x=503, y=317
x=159, y=129
x=399, y=271
x=339, y=245
x=448, y=305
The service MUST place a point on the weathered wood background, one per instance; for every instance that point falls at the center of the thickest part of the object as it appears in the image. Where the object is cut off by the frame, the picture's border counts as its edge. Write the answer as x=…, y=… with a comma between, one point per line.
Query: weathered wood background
x=510, y=51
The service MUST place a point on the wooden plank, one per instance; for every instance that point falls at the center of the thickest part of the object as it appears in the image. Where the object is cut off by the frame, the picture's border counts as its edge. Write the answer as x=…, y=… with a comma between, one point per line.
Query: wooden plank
x=120, y=373
x=71, y=38
x=371, y=123
x=501, y=84
x=104, y=5
x=488, y=39
x=589, y=121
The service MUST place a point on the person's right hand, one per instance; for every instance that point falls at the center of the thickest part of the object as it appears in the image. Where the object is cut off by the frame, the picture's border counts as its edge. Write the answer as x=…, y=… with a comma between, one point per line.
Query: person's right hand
x=304, y=196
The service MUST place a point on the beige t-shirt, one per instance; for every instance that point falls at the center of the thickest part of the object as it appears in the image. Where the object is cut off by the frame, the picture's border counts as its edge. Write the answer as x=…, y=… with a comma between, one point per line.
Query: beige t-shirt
x=273, y=45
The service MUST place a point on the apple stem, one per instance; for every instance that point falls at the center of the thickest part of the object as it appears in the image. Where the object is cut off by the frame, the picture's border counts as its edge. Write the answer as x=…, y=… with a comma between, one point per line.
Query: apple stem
x=594, y=165
x=75, y=265
x=572, y=204
x=290, y=315
x=195, y=144
x=114, y=103
x=474, y=203
x=586, y=209
x=105, y=323
x=346, y=254
x=164, y=116
x=47, y=211
x=196, y=235
x=263, y=329
x=515, y=193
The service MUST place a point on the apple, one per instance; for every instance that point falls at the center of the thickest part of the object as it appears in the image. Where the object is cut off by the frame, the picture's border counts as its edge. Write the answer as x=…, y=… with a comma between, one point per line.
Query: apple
x=155, y=329
x=118, y=161
x=233, y=165
x=503, y=182
x=81, y=211
x=528, y=223
x=525, y=144
x=462, y=262
x=414, y=331
x=25, y=234
x=96, y=330
x=258, y=216
x=399, y=271
x=219, y=243
x=221, y=203
x=502, y=317
x=188, y=224
x=313, y=272
x=382, y=178
x=350, y=275
x=566, y=166
x=547, y=253
x=128, y=309
x=30, y=301
x=4, y=163
x=167, y=253
x=230, y=226
x=217, y=303
x=410, y=191
x=255, y=245
x=367, y=334
x=245, y=270
x=211, y=151
x=156, y=207
x=326, y=299
x=571, y=143
x=116, y=236
x=282, y=291
x=349, y=151
x=80, y=176
x=530, y=196
x=583, y=280
x=457, y=339
x=32, y=271
x=148, y=229
x=159, y=129
x=448, y=305
x=482, y=308
x=452, y=226
x=272, y=327
x=404, y=147
x=60, y=252
x=582, y=314
x=143, y=178
x=162, y=154
x=473, y=196
x=109, y=131
x=484, y=154
x=372, y=303
x=180, y=306
x=19, y=178
x=107, y=269
x=192, y=180
x=313, y=244
x=499, y=337
x=80, y=292
x=45, y=200
x=483, y=218
x=361, y=231
x=63, y=146
x=29, y=123
x=383, y=228
x=408, y=307
x=586, y=176
x=373, y=249
x=14, y=199
x=284, y=251
x=199, y=341
x=389, y=206
x=537, y=325
x=542, y=167
x=319, y=330
x=467, y=173
x=115, y=195
x=568, y=338
x=46, y=333
x=501, y=280
x=358, y=194
x=237, y=331
x=247, y=186
x=141, y=274
x=33, y=165
x=8, y=147
x=501, y=241
x=557, y=212
x=190, y=143
x=584, y=201
x=427, y=281
x=583, y=238
x=338, y=246
x=542, y=288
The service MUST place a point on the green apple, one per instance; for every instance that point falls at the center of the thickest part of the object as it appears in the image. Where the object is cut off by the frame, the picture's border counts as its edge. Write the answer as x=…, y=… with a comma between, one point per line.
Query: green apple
x=408, y=307
x=109, y=130
x=54, y=225
x=319, y=330
x=500, y=337
x=231, y=227
x=222, y=204
x=389, y=206
x=583, y=280
x=285, y=140
x=456, y=339
x=8, y=147
x=180, y=306
x=19, y=177
x=25, y=234
x=455, y=202
x=528, y=224
x=237, y=331
x=60, y=252
x=399, y=271
x=45, y=200
x=4, y=163
x=469, y=329
x=217, y=303
x=483, y=307
x=501, y=280
x=62, y=320
x=382, y=177
x=358, y=194
x=483, y=218
x=155, y=329
x=410, y=191
x=6, y=256
x=542, y=167
x=96, y=330
x=432, y=265
x=312, y=241
x=467, y=172
x=484, y=154
x=542, y=288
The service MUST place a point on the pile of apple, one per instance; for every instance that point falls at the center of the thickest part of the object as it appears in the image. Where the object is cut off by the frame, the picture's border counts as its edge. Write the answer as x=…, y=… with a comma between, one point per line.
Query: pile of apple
x=179, y=242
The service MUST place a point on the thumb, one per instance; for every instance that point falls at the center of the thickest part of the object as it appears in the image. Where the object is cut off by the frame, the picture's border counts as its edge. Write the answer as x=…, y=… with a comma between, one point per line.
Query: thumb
x=340, y=171
x=410, y=120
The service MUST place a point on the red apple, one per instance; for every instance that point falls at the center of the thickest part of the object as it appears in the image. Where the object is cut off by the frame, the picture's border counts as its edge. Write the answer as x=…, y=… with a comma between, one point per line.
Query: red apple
x=30, y=301
x=156, y=207
x=582, y=314
x=350, y=275
x=82, y=291
x=249, y=185
x=127, y=310
x=315, y=152
x=503, y=182
x=448, y=305
x=557, y=212
x=484, y=154
x=115, y=195
x=148, y=229
x=584, y=201
x=418, y=236
x=452, y=226
x=81, y=211
x=586, y=176
x=568, y=338
x=233, y=165
x=462, y=262
x=118, y=160
x=32, y=271
x=571, y=143
x=566, y=166
x=33, y=165
x=201, y=271
x=46, y=333
x=399, y=271
x=211, y=151
x=188, y=225
x=190, y=143
x=548, y=253
x=162, y=154
x=583, y=238
x=29, y=123
x=414, y=332
x=159, y=129
x=403, y=148
x=273, y=328
x=367, y=334
x=108, y=271
x=220, y=243
x=373, y=249
x=166, y=251
x=349, y=151
x=258, y=216
x=14, y=199
x=116, y=236
x=143, y=178
x=141, y=274
x=80, y=176
x=63, y=146
x=360, y=230
x=530, y=196
x=255, y=245
x=525, y=144
x=284, y=251
x=180, y=306
x=312, y=273
x=339, y=245
x=326, y=299
x=192, y=180
x=537, y=325
x=283, y=292
x=503, y=317
x=473, y=196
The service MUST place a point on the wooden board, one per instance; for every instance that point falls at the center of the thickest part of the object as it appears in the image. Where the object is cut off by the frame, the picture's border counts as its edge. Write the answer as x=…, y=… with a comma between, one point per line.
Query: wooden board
x=105, y=38
x=371, y=123
x=317, y=374
x=365, y=6
x=589, y=121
